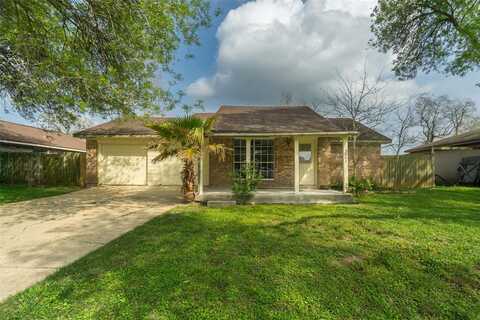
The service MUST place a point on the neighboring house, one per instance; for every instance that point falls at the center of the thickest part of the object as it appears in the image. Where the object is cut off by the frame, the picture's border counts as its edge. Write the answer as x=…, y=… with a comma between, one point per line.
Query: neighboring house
x=16, y=138
x=449, y=152
x=293, y=147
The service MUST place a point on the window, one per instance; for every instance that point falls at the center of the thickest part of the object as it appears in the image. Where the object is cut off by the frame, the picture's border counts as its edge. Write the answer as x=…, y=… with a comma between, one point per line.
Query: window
x=261, y=154
x=239, y=154
x=305, y=152
x=262, y=157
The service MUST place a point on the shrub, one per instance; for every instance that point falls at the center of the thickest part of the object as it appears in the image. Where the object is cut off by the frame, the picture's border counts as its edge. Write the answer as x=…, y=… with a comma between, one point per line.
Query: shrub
x=358, y=186
x=245, y=183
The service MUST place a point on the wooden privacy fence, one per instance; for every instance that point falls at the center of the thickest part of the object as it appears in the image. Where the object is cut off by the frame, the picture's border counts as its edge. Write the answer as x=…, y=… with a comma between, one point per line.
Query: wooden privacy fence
x=406, y=172
x=42, y=169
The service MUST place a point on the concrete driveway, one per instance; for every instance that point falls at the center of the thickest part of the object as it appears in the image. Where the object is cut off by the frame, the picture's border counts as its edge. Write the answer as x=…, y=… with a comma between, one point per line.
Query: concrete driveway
x=39, y=236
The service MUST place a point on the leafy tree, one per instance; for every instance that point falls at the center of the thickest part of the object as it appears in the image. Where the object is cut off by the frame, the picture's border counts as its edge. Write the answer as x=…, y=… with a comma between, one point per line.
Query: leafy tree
x=183, y=138
x=429, y=35
x=64, y=58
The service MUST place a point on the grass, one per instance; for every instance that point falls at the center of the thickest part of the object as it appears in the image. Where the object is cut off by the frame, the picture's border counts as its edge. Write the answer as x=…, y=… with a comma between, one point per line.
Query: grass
x=393, y=256
x=17, y=193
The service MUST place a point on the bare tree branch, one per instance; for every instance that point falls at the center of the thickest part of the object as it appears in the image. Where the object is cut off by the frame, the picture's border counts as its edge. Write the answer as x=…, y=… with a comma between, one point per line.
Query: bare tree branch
x=402, y=129
x=363, y=100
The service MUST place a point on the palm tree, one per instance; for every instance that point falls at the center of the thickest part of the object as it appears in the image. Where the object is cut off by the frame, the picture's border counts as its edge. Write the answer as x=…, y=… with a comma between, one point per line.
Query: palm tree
x=183, y=138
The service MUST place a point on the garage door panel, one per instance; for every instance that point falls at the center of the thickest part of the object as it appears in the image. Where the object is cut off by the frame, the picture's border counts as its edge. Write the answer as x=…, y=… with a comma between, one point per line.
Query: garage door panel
x=166, y=172
x=123, y=165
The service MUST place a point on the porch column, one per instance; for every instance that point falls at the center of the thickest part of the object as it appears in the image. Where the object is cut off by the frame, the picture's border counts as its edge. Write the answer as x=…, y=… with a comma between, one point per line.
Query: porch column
x=433, y=164
x=248, y=150
x=201, y=169
x=296, y=165
x=345, y=164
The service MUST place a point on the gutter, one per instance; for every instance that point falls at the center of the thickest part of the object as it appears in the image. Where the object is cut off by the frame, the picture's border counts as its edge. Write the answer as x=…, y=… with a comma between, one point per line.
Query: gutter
x=41, y=146
x=441, y=148
x=283, y=134
x=94, y=136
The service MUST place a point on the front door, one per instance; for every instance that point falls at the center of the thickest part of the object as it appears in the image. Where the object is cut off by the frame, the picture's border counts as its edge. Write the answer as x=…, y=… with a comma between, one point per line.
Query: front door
x=306, y=161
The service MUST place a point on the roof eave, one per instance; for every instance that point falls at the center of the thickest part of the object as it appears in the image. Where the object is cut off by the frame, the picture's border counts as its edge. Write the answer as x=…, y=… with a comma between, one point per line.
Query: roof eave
x=132, y=135
x=266, y=134
x=41, y=146
x=441, y=148
x=380, y=141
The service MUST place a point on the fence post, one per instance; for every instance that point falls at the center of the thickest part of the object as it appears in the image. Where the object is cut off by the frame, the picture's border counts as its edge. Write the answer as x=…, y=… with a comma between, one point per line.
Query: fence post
x=433, y=165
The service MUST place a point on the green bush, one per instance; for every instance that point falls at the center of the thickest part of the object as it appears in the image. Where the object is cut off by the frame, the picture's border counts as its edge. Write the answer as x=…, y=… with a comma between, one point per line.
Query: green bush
x=358, y=186
x=245, y=183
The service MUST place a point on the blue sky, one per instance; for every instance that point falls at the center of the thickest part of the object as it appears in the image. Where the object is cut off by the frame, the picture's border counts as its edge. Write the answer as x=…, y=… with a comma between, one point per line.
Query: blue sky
x=255, y=50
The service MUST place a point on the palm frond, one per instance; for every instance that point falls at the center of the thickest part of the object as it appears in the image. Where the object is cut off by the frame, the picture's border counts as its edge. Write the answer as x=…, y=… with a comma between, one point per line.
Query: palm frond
x=187, y=123
x=218, y=149
x=209, y=123
x=166, y=150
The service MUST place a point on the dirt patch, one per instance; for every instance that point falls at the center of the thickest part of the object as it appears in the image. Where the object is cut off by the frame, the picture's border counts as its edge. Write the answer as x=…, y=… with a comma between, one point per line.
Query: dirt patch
x=349, y=260
x=346, y=237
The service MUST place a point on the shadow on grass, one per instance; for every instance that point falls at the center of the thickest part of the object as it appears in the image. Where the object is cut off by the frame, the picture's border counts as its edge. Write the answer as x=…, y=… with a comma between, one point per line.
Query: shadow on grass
x=227, y=265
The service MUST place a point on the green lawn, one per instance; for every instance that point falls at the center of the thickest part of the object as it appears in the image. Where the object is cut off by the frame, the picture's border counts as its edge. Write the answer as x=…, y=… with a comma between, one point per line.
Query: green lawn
x=21, y=193
x=393, y=256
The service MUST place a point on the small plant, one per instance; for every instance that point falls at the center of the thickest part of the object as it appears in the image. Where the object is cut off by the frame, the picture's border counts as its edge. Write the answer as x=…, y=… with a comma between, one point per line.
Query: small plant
x=358, y=186
x=245, y=183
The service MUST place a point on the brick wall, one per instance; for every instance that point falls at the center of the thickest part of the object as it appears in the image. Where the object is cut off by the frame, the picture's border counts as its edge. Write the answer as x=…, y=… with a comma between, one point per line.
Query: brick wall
x=221, y=171
x=330, y=161
x=91, y=173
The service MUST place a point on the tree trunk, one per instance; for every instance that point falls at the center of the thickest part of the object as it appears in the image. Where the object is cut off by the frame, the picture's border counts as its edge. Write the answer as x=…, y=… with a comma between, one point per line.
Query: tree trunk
x=188, y=180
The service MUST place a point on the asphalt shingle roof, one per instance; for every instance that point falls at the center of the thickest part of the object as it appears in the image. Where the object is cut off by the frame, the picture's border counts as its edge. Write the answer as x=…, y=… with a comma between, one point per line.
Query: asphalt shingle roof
x=255, y=119
x=248, y=120
x=120, y=127
x=18, y=133
x=465, y=139
x=365, y=133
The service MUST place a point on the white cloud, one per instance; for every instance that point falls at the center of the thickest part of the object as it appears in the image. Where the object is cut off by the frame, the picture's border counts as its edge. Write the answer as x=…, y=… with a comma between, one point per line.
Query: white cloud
x=267, y=47
x=357, y=8
x=202, y=87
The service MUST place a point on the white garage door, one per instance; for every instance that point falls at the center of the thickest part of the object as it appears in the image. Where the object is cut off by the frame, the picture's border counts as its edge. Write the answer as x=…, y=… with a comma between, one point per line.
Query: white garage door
x=166, y=172
x=122, y=164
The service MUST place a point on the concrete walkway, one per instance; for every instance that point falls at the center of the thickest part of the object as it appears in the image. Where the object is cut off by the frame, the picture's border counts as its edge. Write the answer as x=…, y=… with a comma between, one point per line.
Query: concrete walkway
x=39, y=236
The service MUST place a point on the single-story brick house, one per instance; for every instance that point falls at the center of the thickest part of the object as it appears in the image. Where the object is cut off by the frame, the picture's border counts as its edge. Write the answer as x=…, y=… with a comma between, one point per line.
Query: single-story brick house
x=293, y=147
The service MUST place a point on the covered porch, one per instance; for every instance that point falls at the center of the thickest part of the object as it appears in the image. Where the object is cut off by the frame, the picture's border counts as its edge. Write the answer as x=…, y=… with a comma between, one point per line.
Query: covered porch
x=294, y=170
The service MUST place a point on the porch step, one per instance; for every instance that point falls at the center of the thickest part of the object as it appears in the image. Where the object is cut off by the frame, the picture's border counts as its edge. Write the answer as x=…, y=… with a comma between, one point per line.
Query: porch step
x=220, y=203
x=225, y=197
x=303, y=198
